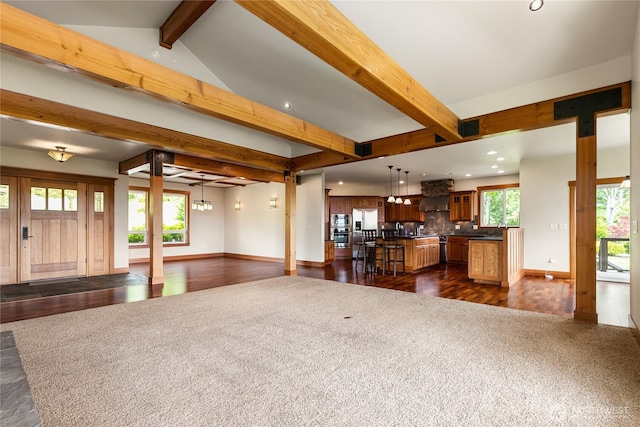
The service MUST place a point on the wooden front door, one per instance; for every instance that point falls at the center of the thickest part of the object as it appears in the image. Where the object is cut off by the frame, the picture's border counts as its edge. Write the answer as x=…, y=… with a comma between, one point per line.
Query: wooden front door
x=53, y=226
x=8, y=227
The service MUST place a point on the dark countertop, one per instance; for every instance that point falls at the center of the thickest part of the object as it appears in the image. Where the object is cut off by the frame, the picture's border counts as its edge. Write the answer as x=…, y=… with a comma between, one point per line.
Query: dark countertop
x=497, y=238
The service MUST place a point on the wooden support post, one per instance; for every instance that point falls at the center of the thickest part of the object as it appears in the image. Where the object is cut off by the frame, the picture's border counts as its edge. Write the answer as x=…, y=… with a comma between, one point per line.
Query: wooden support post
x=290, y=225
x=154, y=228
x=586, y=174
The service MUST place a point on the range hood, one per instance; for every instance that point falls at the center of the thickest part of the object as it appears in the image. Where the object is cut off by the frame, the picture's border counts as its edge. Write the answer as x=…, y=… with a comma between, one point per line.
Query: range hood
x=430, y=204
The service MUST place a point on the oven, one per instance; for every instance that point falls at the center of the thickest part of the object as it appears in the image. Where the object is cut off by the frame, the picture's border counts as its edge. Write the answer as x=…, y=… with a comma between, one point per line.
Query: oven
x=443, y=247
x=341, y=237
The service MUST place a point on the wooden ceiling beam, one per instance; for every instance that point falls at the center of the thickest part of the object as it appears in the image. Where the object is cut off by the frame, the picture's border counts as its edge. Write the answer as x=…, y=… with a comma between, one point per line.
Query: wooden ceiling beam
x=527, y=117
x=320, y=28
x=38, y=40
x=226, y=169
x=181, y=19
x=40, y=110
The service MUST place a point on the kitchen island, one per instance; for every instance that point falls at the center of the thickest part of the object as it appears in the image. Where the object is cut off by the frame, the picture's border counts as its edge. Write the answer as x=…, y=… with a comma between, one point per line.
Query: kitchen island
x=497, y=260
x=419, y=251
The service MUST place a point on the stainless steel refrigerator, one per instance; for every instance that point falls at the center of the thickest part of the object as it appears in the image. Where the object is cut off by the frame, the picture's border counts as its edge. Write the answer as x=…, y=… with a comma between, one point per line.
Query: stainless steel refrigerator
x=363, y=219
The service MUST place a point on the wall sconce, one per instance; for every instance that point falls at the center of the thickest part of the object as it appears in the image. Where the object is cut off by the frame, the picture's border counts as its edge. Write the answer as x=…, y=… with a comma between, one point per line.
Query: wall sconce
x=273, y=202
x=59, y=154
x=626, y=183
x=236, y=205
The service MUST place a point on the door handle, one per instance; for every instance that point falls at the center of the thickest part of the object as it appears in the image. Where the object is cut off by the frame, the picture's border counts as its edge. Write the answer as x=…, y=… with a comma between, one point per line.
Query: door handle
x=25, y=233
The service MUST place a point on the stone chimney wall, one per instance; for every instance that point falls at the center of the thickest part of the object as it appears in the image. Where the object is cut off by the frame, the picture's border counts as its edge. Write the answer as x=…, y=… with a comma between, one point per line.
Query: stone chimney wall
x=437, y=188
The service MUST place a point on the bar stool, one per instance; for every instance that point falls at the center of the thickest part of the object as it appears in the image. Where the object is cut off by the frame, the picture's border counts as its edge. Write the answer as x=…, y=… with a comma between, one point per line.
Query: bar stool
x=390, y=244
x=361, y=249
x=370, y=249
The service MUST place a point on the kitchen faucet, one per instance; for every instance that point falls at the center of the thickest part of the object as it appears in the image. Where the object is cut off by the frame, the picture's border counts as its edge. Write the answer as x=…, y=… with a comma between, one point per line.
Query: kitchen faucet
x=398, y=224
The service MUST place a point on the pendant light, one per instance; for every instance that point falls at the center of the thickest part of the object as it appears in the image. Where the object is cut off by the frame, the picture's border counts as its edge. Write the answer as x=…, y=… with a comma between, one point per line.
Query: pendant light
x=406, y=181
x=202, y=205
x=399, y=199
x=391, y=199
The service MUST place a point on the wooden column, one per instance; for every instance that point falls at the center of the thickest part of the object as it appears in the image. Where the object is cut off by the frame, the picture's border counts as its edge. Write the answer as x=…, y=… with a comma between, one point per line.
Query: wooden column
x=586, y=175
x=290, y=225
x=154, y=230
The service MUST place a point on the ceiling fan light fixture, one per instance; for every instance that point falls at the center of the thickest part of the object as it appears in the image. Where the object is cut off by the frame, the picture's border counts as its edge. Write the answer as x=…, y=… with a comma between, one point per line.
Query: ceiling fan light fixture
x=59, y=154
x=536, y=5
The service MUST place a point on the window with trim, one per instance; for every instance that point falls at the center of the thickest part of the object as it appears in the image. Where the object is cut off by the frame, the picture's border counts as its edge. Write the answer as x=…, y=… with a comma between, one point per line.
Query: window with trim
x=175, y=217
x=499, y=205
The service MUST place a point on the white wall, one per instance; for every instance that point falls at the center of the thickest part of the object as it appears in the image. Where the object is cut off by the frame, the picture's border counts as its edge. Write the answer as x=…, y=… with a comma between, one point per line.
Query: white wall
x=544, y=200
x=635, y=179
x=77, y=165
x=258, y=230
x=207, y=228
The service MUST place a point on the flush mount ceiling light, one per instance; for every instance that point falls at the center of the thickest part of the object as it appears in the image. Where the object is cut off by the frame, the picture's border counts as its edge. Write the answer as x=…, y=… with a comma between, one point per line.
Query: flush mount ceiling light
x=59, y=154
x=536, y=5
x=406, y=181
x=286, y=105
x=202, y=205
x=391, y=199
x=398, y=199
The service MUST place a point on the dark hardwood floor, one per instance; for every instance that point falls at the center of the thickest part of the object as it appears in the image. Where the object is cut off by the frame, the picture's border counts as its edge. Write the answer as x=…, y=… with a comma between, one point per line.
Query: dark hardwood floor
x=536, y=294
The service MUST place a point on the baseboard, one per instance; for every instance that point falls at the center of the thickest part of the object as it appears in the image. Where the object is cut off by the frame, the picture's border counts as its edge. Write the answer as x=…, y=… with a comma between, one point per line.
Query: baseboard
x=555, y=274
x=318, y=264
x=178, y=257
x=253, y=257
x=634, y=329
x=122, y=270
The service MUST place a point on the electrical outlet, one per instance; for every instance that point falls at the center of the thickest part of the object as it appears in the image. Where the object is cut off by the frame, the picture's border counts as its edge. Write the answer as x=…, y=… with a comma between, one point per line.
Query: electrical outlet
x=457, y=226
x=475, y=227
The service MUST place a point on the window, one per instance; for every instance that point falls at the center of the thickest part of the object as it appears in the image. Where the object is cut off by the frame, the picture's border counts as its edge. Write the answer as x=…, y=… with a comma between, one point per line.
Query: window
x=54, y=199
x=4, y=196
x=98, y=201
x=500, y=206
x=174, y=217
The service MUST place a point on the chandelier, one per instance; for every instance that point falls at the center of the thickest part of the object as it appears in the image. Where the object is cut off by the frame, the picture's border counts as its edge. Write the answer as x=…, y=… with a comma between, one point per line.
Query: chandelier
x=202, y=205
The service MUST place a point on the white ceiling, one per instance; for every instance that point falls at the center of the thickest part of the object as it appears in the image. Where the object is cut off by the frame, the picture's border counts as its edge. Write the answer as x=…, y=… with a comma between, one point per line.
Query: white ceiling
x=458, y=50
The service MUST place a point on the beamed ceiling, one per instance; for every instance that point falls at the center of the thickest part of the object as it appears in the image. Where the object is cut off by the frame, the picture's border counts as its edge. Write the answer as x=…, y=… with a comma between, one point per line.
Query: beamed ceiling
x=431, y=86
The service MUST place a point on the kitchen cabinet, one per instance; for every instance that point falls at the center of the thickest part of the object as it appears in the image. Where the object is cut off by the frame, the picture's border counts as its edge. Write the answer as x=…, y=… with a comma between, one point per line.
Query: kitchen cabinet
x=421, y=252
x=485, y=261
x=457, y=249
x=364, y=202
x=329, y=252
x=404, y=213
x=340, y=205
x=462, y=206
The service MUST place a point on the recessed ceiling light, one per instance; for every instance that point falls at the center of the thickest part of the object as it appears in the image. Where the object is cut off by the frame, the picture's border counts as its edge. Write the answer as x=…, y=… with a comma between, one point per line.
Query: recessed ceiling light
x=401, y=181
x=340, y=182
x=424, y=174
x=491, y=153
x=467, y=174
x=499, y=159
x=494, y=167
x=536, y=5
x=301, y=171
x=286, y=104
x=500, y=171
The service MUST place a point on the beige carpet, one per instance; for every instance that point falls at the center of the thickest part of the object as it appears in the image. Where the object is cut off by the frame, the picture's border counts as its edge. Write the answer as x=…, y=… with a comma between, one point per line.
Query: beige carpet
x=296, y=351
